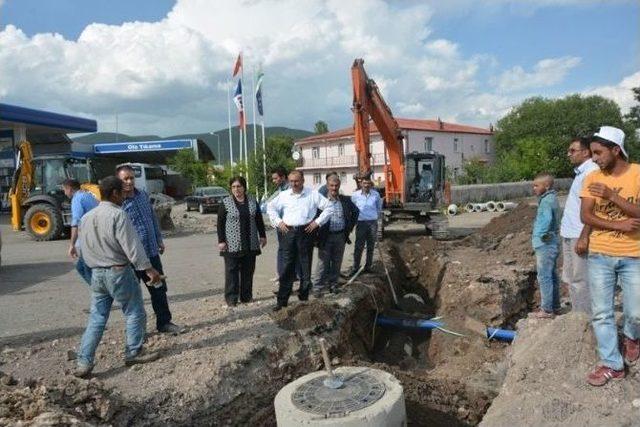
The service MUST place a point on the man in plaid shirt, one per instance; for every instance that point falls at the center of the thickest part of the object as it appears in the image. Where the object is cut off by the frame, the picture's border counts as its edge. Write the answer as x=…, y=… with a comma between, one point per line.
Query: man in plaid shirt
x=138, y=207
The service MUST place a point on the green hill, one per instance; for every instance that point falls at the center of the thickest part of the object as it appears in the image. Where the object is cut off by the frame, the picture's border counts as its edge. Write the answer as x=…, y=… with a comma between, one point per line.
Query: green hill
x=211, y=139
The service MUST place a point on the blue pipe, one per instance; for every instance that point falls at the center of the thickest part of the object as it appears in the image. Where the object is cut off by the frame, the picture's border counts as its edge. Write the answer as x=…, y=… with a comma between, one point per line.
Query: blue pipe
x=408, y=323
x=501, y=334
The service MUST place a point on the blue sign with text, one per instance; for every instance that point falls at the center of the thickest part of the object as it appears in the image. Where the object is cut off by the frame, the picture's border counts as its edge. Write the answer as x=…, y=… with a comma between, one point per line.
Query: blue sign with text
x=140, y=146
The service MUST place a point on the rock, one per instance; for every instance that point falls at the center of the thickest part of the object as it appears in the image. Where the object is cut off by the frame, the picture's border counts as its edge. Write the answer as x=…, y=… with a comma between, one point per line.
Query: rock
x=509, y=262
x=636, y=403
x=71, y=355
x=8, y=350
x=335, y=361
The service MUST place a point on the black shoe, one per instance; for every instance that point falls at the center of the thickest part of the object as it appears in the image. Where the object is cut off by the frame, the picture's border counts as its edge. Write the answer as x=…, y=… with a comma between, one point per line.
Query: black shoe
x=171, y=328
x=141, y=357
x=278, y=307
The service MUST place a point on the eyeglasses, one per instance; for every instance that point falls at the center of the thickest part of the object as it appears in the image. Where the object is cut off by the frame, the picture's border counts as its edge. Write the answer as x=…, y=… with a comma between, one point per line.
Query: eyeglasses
x=573, y=150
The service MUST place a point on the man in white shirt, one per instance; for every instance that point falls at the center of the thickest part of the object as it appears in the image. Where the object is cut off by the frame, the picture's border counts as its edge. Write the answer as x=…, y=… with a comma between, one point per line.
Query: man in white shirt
x=292, y=212
x=575, y=236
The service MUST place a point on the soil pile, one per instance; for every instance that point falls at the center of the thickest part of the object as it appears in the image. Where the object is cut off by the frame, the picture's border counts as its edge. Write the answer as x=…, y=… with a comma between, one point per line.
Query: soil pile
x=545, y=384
x=192, y=221
x=65, y=402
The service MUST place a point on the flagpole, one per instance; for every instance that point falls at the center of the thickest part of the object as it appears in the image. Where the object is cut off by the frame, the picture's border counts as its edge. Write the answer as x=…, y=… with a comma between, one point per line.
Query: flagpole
x=229, y=120
x=253, y=106
x=244, y=125
x=264, y=158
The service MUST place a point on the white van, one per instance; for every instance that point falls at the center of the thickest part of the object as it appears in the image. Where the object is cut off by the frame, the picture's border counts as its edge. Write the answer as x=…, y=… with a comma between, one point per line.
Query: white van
x=149, y=178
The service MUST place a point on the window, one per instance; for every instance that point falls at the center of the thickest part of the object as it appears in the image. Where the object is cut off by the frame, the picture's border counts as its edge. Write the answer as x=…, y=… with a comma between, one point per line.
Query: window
x=317, y=178
x=340, y=149
x=315, y=152
x=486, y=146
x=343, y=176
x=473, y=149
x=428, y=143
x=455, y=145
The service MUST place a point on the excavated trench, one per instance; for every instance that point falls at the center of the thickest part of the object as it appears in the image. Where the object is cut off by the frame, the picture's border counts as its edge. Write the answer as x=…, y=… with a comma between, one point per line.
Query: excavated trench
x=447, y=380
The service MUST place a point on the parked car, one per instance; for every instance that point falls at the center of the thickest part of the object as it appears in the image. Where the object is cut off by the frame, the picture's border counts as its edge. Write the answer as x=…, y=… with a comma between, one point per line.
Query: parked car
x=206, y=199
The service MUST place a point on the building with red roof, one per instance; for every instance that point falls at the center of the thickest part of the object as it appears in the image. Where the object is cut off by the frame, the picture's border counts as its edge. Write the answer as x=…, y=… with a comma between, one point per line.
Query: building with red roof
x=335, y=151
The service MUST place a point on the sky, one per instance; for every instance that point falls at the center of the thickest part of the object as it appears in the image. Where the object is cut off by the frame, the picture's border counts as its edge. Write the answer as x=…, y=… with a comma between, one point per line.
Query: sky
x=164, y=66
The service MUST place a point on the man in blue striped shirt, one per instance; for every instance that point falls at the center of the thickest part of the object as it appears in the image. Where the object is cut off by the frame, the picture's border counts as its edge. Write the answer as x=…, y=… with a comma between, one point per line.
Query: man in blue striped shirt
x=138, y=207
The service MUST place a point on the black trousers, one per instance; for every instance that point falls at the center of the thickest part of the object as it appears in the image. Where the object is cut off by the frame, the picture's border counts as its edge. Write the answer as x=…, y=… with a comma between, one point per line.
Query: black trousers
x=297, y=249
x=366, y=232
x=158, y=295
x=238, y=278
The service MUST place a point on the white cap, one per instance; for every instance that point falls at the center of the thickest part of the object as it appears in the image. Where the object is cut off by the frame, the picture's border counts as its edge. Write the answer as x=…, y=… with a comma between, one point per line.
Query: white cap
x=613, y=135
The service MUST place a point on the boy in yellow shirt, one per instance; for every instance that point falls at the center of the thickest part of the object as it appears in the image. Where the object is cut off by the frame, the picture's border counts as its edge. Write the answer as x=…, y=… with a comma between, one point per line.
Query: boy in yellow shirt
x=610, y=207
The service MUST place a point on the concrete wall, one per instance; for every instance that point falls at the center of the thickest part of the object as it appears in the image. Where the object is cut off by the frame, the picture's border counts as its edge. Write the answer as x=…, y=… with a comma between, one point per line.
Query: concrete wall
x=461, y=194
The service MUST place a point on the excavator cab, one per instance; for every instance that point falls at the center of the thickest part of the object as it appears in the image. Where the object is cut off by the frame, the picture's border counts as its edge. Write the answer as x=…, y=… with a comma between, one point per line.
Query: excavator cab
x=424, y=180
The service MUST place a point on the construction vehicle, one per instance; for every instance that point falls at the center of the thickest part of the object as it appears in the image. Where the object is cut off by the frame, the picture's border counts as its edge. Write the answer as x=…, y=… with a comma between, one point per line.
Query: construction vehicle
x=414, y=182
x=38, y=202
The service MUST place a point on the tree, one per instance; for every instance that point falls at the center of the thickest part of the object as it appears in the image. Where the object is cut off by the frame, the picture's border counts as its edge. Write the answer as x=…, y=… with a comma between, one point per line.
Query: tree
x=535, y=134
x=633, y=116
x=196, y=171
x=278, y=154
x=320, y=127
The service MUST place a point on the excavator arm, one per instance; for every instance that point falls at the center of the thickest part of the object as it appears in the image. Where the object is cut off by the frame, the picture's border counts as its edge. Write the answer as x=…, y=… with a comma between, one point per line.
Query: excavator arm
x=22, y=183
x=368, y=104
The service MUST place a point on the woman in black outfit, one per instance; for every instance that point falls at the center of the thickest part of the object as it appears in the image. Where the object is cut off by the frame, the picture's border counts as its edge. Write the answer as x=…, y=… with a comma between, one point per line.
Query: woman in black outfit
x=241, y=234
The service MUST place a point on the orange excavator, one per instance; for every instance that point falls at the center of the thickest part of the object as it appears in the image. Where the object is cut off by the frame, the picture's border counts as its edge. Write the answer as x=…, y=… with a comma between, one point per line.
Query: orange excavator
x=414, y=182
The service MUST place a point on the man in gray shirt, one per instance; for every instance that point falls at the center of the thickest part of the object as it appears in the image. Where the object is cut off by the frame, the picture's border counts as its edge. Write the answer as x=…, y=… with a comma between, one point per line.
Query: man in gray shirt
x=109, y=246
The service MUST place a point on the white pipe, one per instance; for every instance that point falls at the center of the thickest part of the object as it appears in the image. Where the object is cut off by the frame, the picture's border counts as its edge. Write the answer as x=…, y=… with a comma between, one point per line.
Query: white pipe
x=468, y=207
x=491, y=206
x=505, y=206
x=479, y=207
x=452, y=210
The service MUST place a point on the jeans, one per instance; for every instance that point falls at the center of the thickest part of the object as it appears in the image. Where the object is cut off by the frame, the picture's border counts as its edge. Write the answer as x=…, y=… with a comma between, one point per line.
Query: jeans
x=83, y=270
x=604, y=273
x=366, y=232
x=107, y=285
x=238, y=278
x=329, y=261
x=575, y=274
x=158, y=295
x=297, y=248
x=546, y=258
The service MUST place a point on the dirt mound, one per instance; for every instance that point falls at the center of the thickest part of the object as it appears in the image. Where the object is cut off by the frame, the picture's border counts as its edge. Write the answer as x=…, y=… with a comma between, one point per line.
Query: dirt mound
x=515, y=221
x=317, y=316
x=546, y=385
x=191, y=222
x=65, y=402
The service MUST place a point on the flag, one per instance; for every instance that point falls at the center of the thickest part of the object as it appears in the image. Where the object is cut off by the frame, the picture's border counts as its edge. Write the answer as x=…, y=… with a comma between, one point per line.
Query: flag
x=237, y=99
x=238, y=66
x=259, y=92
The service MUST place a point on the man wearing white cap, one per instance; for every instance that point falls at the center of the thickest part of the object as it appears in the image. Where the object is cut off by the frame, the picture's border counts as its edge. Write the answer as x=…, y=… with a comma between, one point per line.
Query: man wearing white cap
x=610, y=207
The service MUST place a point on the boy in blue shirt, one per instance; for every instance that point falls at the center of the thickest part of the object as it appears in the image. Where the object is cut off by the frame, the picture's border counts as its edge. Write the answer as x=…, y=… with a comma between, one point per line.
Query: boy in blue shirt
x=545, y=241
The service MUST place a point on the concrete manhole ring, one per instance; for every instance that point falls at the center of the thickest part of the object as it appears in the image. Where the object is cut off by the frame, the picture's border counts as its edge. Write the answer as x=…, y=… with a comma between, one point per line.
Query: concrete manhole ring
x=359, y=391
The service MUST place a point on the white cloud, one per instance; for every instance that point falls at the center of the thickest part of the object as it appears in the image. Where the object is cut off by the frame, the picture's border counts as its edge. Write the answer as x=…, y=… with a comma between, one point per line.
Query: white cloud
x=546, y=72
x=621, y=93
x=171, y=76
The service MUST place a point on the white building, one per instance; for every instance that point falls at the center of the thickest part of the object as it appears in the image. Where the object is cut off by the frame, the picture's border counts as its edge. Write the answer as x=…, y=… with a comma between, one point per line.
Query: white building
x=335, y=151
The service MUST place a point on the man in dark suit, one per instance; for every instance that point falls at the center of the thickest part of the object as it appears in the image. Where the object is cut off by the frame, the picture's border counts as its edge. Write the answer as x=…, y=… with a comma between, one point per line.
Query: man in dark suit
x=332, y=238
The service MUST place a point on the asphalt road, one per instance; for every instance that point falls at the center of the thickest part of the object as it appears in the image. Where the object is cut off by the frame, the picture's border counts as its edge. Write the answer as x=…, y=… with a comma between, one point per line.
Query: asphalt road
x=42, y=295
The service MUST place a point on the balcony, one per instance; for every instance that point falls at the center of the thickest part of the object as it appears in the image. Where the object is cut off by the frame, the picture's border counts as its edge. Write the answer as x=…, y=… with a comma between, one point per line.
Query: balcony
x=337, y=162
